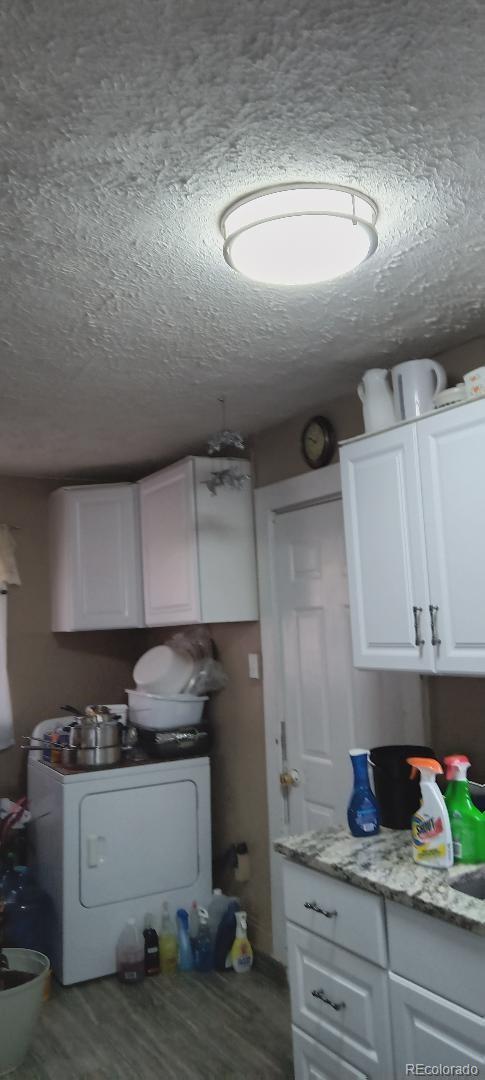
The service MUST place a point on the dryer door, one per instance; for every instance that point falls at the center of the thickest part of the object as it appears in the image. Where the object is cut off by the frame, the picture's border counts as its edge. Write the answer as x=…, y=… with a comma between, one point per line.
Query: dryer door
x=138, y=841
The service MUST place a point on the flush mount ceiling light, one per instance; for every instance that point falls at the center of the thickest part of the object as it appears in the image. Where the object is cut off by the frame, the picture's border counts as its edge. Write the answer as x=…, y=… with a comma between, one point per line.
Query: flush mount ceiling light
x=299, y=234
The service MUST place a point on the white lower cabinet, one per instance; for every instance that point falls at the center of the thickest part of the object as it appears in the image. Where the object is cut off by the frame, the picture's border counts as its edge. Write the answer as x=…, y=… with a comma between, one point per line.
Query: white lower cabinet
x=408, y=993
x=312, y=1061
x=340, y=1000
x=431, y=1031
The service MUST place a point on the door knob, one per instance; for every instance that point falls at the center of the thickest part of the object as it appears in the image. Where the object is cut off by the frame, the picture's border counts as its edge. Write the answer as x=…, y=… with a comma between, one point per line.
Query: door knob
x=290, y=778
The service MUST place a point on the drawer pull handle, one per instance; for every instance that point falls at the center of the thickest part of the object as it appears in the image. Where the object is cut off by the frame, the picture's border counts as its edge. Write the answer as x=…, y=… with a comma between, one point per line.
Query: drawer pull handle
x=311, y=905
x=321, y=995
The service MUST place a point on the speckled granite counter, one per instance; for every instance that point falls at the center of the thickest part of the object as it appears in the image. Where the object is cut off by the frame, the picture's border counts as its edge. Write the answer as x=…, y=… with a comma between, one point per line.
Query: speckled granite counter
x=384, y=864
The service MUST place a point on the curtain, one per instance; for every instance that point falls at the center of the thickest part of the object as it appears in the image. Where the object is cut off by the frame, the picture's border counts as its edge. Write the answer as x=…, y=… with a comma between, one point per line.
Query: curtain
x=9, y=575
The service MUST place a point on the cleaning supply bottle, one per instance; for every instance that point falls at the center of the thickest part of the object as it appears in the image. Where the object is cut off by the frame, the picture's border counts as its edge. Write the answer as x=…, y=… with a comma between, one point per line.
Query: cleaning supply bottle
x=241, y=954
x=225, y=935
x=185, y=955
x=430, y=825
x=466, y=820
x=168, y=943
x=363, y=812
x=217, y=909
x=194, y=920
x=130, y=960
x=203, y=949
x=152, y=947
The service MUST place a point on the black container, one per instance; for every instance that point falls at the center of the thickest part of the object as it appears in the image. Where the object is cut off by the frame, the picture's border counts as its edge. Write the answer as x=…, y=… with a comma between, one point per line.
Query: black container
x=397, y=795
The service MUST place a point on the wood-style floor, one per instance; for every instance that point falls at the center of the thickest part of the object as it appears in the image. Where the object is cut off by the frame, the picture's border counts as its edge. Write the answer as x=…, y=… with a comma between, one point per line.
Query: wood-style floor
x=184, y=1027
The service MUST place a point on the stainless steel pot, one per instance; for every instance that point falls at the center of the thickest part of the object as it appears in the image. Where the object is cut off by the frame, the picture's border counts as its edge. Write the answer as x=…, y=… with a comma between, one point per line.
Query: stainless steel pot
x=93, y=744
x=95, y=757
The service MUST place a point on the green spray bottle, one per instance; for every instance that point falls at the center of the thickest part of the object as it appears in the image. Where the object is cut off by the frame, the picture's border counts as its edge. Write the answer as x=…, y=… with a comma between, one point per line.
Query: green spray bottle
x=466, y=820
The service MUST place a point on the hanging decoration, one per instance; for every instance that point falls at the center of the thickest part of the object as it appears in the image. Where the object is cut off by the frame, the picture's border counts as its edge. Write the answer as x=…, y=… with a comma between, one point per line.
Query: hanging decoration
x=229, y=474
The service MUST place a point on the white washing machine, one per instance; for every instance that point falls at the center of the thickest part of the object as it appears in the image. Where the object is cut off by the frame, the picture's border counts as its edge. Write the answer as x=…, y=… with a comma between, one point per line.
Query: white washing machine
x=115, y=843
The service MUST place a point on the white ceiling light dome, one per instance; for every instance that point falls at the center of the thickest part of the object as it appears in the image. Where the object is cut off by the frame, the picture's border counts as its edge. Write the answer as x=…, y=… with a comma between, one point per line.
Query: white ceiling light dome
x=299, y=234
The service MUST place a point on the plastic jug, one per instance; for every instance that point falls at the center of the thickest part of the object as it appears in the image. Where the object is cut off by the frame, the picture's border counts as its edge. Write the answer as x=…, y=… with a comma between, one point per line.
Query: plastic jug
x=415, y=384
x=377, y=401
x=130, y=954
x=217, y=909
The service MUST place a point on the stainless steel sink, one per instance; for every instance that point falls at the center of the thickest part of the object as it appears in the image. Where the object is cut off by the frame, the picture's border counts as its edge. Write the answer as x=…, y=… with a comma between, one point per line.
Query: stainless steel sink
x=471, y=883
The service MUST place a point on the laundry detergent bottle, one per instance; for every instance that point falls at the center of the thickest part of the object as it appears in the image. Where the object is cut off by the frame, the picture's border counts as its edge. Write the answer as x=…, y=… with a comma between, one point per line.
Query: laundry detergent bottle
x=466, y=820
x=362, y=812
x=430, y=825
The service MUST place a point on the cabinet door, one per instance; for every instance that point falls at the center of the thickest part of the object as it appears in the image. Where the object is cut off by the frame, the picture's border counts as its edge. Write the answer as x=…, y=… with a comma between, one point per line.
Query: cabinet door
x=95, y=558
x=429, y=1030
x=169, y=546
x=341, y=1001
x=313, y=1061
x=386, y=558
x=452, y=455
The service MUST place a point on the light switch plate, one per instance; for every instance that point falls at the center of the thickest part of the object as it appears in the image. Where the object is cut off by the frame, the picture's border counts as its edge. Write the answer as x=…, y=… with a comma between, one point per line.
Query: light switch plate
x=253, y=665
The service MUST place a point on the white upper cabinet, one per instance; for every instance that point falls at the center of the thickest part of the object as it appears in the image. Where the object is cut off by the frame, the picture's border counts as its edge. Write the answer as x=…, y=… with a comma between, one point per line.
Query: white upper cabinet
x=414, y=511
x=198, y=549
x=95, y=566
x=452, y=454
x=386, y=552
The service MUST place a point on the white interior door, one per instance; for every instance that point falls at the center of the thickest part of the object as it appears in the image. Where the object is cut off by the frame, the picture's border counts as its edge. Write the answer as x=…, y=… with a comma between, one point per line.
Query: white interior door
x=311, y=598
x=329, y=706
x=317, y=705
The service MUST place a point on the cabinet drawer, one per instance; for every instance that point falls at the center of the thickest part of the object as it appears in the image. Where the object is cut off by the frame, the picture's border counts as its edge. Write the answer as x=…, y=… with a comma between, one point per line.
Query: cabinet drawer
x=314, y=1062
x=353, y=919
x=433, y=1031
x=443, y=958
x=341, y=1001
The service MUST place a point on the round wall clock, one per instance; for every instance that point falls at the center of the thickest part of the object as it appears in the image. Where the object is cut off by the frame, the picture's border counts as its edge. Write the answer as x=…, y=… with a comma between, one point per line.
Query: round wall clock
x=318, y=442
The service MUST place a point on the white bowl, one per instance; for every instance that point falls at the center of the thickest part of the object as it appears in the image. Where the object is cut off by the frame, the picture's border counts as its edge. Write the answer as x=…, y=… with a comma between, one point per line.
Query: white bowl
x=162, y=670
x=157, y=713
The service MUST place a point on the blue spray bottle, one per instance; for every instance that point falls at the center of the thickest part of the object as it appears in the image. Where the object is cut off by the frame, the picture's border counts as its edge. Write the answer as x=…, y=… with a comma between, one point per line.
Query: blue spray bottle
x=363, y=812
x=185, y=956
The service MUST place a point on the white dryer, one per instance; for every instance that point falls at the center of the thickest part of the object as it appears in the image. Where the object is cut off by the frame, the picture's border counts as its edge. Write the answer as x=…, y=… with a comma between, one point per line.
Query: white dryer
x=115, y=843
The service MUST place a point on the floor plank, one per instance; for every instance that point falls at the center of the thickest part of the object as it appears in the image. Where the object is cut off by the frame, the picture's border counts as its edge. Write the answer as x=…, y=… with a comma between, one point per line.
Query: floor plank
x=188, y=1027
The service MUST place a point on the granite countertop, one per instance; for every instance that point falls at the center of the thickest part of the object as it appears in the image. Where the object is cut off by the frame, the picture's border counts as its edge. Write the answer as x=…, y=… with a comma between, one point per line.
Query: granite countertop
x=384, y=864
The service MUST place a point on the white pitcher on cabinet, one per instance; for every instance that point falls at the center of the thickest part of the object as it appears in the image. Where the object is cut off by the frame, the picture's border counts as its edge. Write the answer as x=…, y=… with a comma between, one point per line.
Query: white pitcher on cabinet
x=415, y=384
x=377, y=401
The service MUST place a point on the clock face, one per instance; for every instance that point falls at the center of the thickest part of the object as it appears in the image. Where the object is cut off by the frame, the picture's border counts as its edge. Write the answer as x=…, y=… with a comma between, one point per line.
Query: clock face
x=318, y=442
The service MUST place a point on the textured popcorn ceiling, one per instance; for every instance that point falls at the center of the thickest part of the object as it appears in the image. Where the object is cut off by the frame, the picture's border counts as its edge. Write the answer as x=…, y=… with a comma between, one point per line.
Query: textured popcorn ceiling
x=126, y=128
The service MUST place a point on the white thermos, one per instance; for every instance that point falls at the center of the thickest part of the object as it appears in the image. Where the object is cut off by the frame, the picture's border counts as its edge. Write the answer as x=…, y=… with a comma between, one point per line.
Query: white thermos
x=415, y=383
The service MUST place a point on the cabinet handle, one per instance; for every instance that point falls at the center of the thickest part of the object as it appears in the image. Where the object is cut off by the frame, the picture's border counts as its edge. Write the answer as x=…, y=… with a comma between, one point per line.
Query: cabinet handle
x=321, y=995
x=311, y=905
x=433, y=611
x=418, y=640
